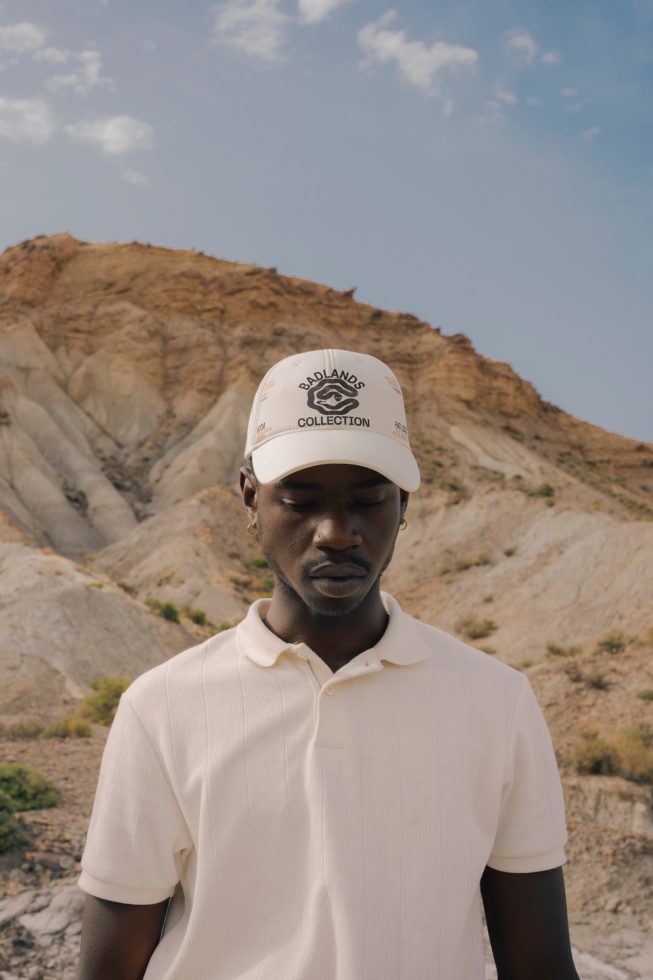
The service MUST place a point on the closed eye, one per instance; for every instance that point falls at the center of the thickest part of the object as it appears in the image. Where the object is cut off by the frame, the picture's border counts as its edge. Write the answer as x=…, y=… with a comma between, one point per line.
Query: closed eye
x=296, y=504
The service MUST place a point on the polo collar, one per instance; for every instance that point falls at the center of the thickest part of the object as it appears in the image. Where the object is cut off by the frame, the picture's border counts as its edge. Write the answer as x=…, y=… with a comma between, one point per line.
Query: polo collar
x=401, y=643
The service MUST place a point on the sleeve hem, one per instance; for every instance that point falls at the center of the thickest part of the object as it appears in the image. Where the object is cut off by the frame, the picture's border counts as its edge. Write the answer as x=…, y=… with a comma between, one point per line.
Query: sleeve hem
x=535, y=862
x=121, y=893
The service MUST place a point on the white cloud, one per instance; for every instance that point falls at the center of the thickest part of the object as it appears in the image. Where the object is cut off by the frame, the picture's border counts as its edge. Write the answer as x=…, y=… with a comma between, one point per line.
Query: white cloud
x=520, y=45
x=569, y=93
x=419, y=64
x=532, y=100
x=550, y=58
x=313, y=11
x=56, y=56
x=22, y=38
x=136, y=177
x=26, y=121
x=113, y=135
x=253, y=26
x=589, y=134
x=505, y=95
x=87, y=76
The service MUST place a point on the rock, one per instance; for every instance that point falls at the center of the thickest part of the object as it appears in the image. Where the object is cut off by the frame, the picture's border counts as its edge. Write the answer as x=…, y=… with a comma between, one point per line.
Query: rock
x=54, y=862
x=12, y=907
x=65, y=907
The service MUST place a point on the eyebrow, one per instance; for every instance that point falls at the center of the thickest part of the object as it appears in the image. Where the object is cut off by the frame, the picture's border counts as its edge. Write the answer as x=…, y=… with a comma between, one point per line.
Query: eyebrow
x=361, y=485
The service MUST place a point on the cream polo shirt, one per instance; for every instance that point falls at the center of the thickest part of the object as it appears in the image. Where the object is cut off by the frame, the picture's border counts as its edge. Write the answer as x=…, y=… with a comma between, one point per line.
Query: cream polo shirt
x=312, y=825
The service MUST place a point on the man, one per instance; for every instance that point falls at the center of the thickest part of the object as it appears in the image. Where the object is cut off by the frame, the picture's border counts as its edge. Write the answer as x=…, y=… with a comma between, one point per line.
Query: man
x=329, y=790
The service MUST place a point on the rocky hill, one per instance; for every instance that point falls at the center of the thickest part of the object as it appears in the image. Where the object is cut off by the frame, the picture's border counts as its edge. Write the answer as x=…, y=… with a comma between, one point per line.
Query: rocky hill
x=126, y=375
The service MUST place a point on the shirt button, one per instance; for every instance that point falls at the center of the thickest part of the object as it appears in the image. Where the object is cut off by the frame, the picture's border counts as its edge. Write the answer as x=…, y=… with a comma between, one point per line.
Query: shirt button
x=330, y=691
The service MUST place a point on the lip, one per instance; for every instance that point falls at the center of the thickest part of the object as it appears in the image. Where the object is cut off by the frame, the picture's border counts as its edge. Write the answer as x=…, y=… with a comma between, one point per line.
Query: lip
x=338, y=588
x=336, y=572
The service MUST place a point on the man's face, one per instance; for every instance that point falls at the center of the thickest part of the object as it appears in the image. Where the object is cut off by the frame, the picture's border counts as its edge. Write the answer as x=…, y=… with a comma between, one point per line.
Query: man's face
x=327, y=532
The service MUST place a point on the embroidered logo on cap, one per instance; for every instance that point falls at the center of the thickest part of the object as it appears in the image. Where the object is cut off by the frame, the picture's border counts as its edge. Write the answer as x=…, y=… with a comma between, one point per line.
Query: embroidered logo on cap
x=332, y=396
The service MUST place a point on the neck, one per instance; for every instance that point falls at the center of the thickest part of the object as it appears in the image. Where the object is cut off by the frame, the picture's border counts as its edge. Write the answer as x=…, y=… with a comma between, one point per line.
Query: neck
x=335, y=639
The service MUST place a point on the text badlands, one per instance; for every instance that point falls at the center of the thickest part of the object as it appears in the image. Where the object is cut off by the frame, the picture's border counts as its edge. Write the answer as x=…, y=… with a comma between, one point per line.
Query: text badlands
x=333, y=420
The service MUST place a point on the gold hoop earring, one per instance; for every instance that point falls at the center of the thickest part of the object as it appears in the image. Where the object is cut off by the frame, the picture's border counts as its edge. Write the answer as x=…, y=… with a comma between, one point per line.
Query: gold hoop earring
x=252, y=529
x=403, y=525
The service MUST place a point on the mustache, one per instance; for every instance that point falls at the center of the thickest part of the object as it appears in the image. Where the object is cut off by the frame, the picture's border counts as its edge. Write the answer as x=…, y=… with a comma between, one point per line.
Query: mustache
x=318, y=563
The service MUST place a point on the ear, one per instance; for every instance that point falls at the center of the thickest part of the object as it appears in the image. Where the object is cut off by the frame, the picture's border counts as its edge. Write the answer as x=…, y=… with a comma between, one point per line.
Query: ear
x=249, y=490
x=403, y=502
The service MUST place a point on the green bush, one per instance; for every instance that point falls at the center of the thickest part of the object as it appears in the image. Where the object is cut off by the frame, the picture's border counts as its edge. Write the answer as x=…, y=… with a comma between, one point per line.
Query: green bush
x=68, y=727
x=646, y=694
x=170, y=611
x=464, y=563
x=260, y=562
x=554, y=650
x=544, y=490
x=509, y=552
x=101, y=706
x=25, y=728
x=166, y=609
x=476, y=629
x=197, y=616
x=126, y=587
x=13, y=832
x=27, y=788
x=267, y=584
x=612, y=642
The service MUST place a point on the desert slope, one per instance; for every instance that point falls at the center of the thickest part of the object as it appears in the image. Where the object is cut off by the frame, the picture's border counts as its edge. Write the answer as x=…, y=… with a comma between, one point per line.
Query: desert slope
x=126, y=374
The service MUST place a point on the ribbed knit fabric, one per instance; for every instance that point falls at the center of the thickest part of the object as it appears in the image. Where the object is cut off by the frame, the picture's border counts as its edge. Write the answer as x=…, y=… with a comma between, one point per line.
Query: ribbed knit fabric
x=312, y=825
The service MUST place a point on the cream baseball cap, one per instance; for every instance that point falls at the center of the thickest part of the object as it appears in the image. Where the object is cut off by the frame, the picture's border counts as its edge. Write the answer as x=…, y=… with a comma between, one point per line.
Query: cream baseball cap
x=330, y=406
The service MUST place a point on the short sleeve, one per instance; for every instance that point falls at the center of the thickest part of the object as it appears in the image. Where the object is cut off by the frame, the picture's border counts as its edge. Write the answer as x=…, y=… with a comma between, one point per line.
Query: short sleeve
x=532, y=831
x=137, y=832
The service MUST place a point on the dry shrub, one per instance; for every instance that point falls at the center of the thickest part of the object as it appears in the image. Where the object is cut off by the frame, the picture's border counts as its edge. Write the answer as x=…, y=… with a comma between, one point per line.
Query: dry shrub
x=613, y=642
x=629, y=753
x=72, y=726
x=25, y=728
x=596, y=756
x=635, y=749
x=101, y=706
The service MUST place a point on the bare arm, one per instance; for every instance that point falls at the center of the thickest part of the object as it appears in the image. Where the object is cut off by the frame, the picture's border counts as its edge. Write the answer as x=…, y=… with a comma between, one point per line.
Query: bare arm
x=527, y=924
x=117, y=940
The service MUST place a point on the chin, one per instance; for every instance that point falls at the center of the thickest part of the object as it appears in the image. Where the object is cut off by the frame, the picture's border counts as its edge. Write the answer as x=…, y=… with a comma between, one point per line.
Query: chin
x=331, y=606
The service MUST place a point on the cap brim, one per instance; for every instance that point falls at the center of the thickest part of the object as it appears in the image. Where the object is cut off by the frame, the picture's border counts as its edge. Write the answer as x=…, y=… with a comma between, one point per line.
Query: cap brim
x=293, y=451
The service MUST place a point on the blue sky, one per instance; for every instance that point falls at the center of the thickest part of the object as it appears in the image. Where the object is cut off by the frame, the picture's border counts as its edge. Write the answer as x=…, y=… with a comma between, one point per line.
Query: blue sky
x=487, y=166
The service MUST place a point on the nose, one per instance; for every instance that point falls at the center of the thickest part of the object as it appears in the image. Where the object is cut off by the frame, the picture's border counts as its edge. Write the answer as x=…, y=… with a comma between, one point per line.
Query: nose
x=337, y=530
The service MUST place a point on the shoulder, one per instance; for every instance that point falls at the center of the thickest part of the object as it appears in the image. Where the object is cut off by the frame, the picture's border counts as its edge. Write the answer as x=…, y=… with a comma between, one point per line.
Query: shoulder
x=179, y=676
x=452, y=656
